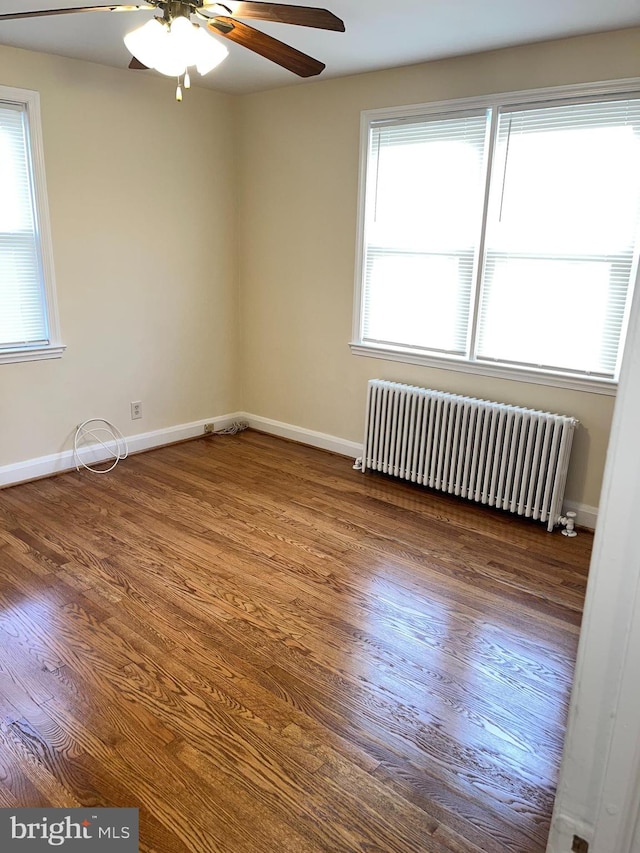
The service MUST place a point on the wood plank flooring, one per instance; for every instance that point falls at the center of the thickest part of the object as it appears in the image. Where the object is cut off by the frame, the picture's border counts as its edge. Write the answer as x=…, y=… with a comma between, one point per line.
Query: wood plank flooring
x=264, y=650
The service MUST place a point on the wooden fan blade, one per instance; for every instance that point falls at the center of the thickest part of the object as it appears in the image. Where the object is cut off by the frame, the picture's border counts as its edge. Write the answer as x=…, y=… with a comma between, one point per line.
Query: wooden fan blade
x=45, y=13
x=136, y=65
x=277, y=51
x=302, y=16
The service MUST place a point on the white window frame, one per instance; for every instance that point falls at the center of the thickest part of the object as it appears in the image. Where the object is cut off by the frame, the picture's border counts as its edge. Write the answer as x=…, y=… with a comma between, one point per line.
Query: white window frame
x=30, y=100
x=408, y=355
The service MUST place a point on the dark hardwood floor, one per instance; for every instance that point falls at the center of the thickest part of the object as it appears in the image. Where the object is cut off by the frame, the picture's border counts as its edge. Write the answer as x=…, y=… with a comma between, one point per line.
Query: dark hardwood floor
x=265, y=650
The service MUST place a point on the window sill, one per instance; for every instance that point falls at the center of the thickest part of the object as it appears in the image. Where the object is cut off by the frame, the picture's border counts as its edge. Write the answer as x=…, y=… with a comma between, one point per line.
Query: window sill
x=517, y=374
x=30, y=354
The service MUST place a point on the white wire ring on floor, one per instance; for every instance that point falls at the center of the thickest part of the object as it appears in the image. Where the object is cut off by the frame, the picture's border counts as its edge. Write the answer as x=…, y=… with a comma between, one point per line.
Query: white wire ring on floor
x=102, y=433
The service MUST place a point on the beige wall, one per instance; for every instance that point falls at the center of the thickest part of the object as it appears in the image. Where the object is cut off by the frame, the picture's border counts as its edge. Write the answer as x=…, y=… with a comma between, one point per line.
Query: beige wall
x=298, y=213
x=144, y=198
x=142, y=205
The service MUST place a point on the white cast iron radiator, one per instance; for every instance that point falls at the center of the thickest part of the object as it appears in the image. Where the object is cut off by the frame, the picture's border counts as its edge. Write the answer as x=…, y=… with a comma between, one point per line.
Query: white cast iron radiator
x=500, y=455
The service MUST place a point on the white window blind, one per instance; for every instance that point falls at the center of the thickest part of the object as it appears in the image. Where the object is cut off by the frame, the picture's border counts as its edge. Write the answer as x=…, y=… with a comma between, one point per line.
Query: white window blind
x=561, y=235
x=23, y=310
x=504, y=237
x=424, y=202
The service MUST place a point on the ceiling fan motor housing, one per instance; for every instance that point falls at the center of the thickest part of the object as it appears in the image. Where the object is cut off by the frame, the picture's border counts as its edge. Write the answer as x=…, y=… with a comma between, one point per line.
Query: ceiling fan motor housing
x=176, y=9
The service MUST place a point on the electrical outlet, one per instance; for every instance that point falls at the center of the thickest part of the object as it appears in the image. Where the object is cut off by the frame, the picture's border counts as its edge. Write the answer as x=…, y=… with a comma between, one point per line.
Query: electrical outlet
x=136, y=410
x=209, y=428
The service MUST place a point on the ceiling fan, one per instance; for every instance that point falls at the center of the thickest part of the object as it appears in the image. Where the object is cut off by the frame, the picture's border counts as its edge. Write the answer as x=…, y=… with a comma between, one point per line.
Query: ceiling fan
x=172, y=42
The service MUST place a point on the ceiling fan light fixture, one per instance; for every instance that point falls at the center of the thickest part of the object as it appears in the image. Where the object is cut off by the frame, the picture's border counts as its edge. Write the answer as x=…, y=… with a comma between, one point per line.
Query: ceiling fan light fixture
x=172, y=48
x=209, y=52
x=146, y=42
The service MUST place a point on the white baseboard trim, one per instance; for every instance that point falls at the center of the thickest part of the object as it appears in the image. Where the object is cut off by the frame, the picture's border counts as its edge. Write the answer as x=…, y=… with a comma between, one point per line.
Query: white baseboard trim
x=56, y=463
x=304, y=436
x=43, y=466
x=586, y=516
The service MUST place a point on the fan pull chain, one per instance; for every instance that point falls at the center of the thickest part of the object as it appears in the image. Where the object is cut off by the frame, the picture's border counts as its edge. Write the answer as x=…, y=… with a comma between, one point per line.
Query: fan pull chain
x=187, y=79
x=179, y=91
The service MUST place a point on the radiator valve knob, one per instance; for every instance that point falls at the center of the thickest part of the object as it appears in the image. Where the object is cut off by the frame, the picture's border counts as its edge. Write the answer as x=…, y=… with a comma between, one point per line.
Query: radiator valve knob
x=568, y=521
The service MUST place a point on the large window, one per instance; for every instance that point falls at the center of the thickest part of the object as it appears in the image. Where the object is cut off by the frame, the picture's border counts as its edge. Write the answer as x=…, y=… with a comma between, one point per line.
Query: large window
x=501, y=236
x=28, y=317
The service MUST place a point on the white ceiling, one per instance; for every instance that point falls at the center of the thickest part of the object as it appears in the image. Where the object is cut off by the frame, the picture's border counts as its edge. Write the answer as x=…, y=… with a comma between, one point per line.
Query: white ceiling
x=379, y=33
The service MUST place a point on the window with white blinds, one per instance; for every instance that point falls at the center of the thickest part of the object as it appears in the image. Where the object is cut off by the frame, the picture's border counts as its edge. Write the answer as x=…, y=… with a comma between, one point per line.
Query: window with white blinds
x=504, y=237
x=28, y=325
x=422, y=230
